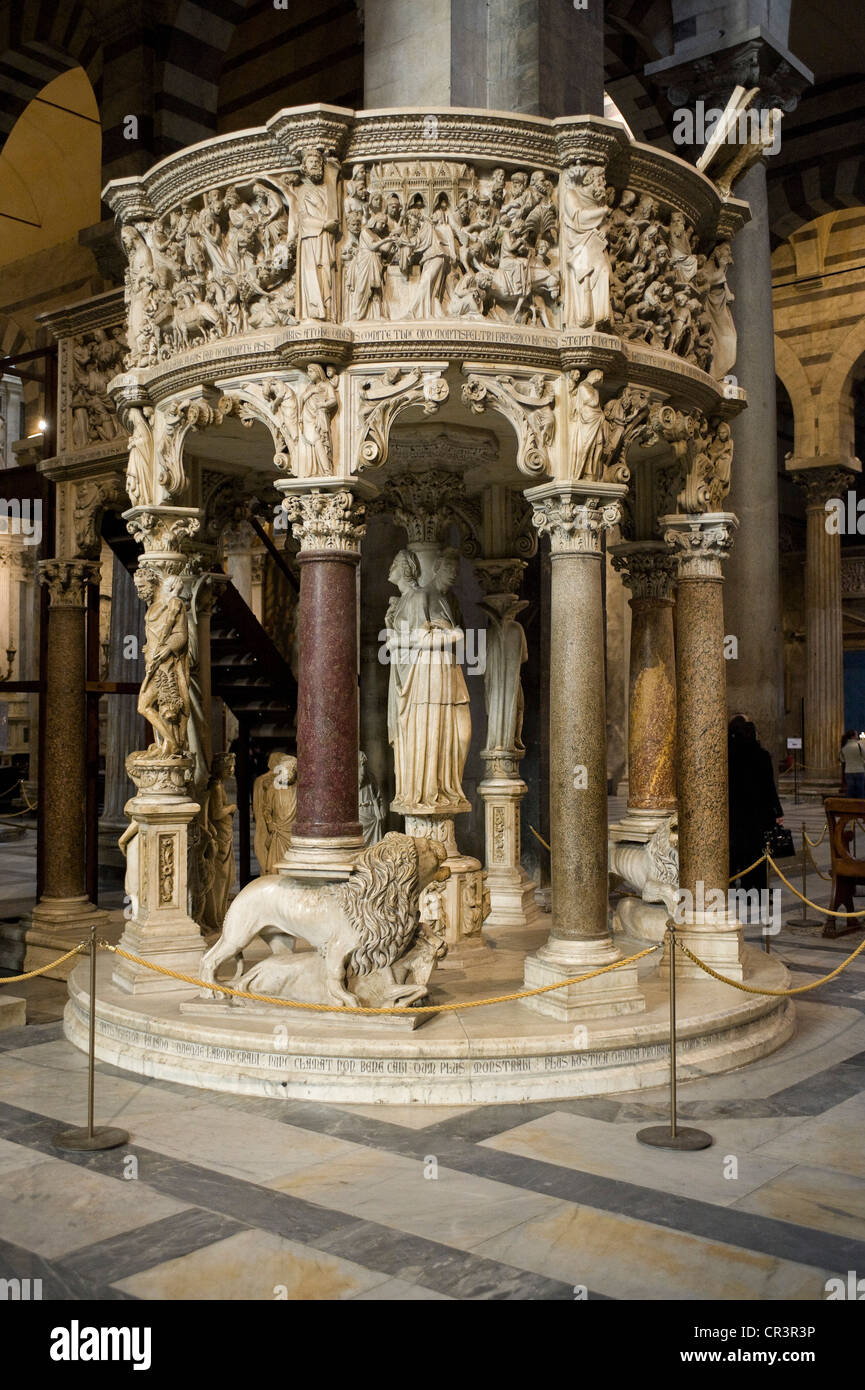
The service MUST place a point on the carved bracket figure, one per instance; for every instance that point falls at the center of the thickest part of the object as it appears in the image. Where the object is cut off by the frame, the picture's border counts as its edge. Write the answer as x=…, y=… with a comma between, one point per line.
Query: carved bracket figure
x=530, y=407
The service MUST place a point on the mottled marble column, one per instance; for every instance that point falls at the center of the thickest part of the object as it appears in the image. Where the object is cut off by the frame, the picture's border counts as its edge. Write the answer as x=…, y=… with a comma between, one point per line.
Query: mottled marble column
x=648, y=570
x=64, y=904
x=700, y=543
x=824, y=644
x=574, y=515
x=327, y=832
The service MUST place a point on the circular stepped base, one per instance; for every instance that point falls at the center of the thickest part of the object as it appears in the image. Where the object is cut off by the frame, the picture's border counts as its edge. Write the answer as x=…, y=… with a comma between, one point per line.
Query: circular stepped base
x=500, y=1053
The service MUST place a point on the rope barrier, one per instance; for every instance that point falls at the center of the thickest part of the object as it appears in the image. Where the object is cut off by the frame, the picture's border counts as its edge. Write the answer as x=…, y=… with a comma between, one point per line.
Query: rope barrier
x=815, y=844
x=15, y=979
x=830, y=912
x=331, y=1008
x=814, y=865
x=394, y=1009
x=753, y=989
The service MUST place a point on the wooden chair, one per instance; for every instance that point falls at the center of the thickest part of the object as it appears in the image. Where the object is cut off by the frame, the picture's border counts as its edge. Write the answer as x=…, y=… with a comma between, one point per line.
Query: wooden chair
x=843, y=814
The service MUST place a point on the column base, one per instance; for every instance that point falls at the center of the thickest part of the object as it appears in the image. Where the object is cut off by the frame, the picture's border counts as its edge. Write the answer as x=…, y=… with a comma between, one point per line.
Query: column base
x=716, y=939
x=176, y=945
x=320, y=859
x=605, y=996
x=640, y=825
x=56, y=925
x=513, y=899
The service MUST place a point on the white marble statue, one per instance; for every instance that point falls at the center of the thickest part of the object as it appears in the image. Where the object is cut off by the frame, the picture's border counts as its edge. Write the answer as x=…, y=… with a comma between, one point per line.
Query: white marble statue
x=219, y=827
x=371, y=808
x=274, y=806
x=429, y=720
x=164, y=697
x=506, y=652
x=359, y=927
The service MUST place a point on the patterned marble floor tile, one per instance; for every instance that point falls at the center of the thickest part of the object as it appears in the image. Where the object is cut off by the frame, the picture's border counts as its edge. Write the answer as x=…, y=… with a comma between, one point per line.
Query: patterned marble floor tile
x=832, y=1139
x=629, y=1259
x=254, y=1265
x=818, y=1197
x=397, y=1290
x=591, y=1146
x=456, y=1208
x=410, y=1116
x=52, y=1207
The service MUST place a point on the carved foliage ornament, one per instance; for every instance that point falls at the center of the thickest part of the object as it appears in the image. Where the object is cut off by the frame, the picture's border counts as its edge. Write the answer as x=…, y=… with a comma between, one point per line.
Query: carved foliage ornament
x=67, y=581
x=326, y=520
x=575, y=523
x=383, y=397
x=704, y=448
x=530, y=407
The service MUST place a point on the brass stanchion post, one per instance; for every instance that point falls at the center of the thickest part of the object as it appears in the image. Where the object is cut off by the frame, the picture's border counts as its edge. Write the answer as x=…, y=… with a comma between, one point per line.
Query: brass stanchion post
x=673, y=1136
x=804, y=920
x=101, y=1136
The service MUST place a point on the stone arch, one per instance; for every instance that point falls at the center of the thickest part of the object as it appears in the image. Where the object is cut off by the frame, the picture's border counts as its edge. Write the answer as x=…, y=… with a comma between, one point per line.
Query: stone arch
x=43, y=40
x=836, y=437
x=791, y=372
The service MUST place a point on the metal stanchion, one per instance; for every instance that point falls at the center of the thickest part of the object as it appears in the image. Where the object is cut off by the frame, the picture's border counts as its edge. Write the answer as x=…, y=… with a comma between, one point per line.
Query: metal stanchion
x=101, y=1136
x=672, y=1136
x=803, y=920
x=764, y=925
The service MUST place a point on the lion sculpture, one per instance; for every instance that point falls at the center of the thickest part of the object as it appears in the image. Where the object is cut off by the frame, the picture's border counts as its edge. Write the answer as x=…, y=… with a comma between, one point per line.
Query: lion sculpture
x=363, y=926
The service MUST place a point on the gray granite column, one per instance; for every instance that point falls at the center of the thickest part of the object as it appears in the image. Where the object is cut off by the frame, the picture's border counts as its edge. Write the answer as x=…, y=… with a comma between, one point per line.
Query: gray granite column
x=542, y=57
x=574, y=515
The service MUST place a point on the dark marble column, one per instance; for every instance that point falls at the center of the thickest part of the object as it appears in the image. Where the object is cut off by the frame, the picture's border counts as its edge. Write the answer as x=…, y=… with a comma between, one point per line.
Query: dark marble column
x=329, y=526
x=64, y=904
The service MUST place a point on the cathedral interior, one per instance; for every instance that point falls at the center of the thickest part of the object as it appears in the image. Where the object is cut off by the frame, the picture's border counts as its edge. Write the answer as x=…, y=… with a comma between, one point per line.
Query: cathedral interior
x=423, y=430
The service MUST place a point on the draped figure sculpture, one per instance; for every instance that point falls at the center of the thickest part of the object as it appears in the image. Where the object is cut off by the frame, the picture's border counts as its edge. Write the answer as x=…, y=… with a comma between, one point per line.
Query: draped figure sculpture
x=429, y=721
x=585, y=215
x=164, y=698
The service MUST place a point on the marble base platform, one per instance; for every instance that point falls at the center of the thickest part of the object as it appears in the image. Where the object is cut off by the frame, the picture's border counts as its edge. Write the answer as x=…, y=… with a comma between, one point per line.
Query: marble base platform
x=501, y=1053
x=13, y=1010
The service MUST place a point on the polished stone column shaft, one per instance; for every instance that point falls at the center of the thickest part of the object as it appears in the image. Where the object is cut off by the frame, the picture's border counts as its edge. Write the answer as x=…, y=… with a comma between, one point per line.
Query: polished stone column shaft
x=574, y=516
x=700, y=542
x=64, y=902
x=329, y=526
x=647, y=569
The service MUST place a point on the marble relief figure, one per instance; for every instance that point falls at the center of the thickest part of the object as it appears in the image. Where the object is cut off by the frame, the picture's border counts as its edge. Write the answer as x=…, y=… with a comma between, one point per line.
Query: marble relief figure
x=316, y=404
x=718, y=300
x=164, y=698
x=372, y=811
x=585, y=213
x=429, y=720
x=317, y=216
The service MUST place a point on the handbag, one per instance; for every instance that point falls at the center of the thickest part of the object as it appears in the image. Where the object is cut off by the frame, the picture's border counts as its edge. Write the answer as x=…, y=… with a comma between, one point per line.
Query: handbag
x=779, y=842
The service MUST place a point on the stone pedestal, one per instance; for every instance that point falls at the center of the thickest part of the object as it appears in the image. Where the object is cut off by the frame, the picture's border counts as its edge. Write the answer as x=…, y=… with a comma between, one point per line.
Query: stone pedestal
x=575, y=514
x=512, y=893
x=327, y=833
x=700, y=542
x=463, y=897
x=64, y=913
x=160, y=928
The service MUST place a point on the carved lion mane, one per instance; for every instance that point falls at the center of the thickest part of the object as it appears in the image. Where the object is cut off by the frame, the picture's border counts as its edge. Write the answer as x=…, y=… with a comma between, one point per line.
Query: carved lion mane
x=380, y=900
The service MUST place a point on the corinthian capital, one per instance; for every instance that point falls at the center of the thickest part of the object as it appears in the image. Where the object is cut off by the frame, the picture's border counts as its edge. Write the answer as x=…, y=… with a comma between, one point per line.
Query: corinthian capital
x=67, y=581
x=575, y=516
x=647, y=568
x=700, y=543
x=326, y=520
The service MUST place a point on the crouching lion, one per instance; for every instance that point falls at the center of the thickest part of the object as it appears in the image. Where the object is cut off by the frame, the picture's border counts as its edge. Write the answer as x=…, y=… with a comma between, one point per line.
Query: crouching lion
x=363, y=924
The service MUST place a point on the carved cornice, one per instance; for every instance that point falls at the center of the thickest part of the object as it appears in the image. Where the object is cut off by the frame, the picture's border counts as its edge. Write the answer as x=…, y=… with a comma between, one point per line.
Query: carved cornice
x=575, y=515
x=699, y=543
x=326, y=520
x=67, y=581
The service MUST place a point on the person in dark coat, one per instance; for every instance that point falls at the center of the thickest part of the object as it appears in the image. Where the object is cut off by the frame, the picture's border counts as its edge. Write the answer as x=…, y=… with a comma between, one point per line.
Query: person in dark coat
x=754, y=804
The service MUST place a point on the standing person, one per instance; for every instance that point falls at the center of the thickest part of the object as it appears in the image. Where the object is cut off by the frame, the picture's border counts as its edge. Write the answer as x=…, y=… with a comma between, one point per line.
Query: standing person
x=853, y=764
x=754, y=804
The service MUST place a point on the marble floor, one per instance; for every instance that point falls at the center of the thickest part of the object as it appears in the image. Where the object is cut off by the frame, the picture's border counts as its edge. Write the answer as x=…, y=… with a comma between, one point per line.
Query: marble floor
x=220, y=1196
